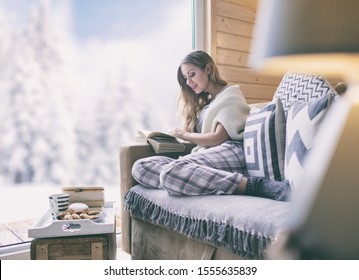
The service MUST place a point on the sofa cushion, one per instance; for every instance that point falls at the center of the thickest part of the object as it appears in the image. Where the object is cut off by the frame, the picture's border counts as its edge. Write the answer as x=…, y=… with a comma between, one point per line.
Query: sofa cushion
x=264, y=142
x=243, y=225
x=302, y=87
x=303, y=121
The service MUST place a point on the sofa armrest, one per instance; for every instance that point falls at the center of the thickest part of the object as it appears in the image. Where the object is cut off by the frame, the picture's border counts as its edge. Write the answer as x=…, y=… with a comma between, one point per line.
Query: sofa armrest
x=129, y=153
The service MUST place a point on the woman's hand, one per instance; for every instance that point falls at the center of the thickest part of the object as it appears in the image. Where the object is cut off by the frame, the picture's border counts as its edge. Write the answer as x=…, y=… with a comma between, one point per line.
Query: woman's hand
x=179, y=133
x=210, y=139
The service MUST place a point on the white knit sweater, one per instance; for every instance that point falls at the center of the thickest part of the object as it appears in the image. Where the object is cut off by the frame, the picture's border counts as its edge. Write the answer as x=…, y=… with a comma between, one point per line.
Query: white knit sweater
x=231, y=110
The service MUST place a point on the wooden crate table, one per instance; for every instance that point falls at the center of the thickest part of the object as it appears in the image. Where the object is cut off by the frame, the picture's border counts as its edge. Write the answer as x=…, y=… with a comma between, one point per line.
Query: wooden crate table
x=79, y=239
x=84, y=247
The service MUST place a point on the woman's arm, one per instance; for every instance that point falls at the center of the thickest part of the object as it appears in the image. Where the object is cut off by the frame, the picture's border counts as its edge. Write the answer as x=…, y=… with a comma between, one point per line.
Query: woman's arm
x=210, y=139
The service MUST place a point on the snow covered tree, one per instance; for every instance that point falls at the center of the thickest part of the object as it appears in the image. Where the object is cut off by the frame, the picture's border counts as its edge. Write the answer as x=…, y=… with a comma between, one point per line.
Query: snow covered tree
x=121, y=110
x=4, y=49
x=38, y=139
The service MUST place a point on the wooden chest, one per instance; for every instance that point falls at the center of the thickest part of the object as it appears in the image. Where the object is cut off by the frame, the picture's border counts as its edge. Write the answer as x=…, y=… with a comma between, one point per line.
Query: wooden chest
x=85, y=247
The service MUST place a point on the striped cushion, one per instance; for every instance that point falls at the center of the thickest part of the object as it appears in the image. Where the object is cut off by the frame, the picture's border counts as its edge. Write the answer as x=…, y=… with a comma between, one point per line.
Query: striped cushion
x=302, y=87
x=264, y=142
x=303, y=121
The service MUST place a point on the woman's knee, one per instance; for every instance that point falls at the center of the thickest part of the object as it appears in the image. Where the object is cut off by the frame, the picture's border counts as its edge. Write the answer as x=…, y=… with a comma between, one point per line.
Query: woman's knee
x=144, y=166
x=170, y=179
x=136, y=170
x=147, y=171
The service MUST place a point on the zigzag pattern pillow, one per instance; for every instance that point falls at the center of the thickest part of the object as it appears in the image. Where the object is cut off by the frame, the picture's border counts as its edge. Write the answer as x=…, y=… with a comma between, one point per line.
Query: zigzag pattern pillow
x=302, y=87
x=303, y=121
x=264, y=142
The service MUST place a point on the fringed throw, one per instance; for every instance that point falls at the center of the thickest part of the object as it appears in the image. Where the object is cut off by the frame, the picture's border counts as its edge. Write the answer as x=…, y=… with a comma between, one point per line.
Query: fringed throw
x=242, y=225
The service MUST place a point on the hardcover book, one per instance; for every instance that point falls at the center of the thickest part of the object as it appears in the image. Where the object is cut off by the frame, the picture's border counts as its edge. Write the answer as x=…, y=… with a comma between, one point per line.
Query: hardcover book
x=162, y=142
x=92, y=196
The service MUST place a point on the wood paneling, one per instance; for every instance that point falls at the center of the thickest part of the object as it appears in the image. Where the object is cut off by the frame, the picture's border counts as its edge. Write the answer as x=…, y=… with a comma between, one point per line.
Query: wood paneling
x=235, y=11
x=233, y=26
x=232, y=31
x=233, y=42
x=232, y=57
x=246, y=3
x=245, y=75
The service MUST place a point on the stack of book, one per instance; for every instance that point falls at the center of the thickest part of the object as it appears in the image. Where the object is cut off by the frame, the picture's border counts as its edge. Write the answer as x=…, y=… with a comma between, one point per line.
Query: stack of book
x=92, y=196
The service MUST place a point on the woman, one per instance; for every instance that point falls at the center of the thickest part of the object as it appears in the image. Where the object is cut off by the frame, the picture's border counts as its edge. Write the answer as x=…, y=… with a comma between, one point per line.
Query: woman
x=214, y=116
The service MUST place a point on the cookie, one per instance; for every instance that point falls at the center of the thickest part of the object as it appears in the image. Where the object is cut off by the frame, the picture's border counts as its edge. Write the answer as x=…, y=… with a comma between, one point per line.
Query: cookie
x=75, y=207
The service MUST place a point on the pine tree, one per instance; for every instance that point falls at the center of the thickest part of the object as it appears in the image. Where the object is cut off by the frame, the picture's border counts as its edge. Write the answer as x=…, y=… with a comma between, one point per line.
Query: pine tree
x=39, y=139
x=120, y=112
x=5, y=40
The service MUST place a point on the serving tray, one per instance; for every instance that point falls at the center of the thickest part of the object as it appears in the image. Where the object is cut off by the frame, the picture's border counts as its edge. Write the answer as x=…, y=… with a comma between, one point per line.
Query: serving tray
x=46, y=226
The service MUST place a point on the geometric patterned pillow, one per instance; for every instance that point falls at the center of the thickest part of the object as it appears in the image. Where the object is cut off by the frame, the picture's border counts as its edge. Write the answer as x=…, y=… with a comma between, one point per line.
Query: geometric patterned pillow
x=264, y=142
x=303, y=121
x=303, y=87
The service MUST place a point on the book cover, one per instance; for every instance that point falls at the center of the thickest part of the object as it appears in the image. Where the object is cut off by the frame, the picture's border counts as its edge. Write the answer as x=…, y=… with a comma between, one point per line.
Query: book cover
x=85, y=193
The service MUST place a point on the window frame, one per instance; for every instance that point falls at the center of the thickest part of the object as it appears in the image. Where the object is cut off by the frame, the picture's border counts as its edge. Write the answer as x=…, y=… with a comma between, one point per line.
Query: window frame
x=201, y=25
x=19, y=251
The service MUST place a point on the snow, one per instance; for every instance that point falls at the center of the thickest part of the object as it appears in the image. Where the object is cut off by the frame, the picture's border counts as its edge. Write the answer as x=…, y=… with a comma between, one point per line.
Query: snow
x=67, y=105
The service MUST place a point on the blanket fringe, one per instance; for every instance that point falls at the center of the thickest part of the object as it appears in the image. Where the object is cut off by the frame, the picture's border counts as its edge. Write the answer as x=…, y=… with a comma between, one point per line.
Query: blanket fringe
x=220, y=234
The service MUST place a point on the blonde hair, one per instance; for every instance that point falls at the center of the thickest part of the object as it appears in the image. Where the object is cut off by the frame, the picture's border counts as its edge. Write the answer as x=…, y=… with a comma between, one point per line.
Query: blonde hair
x=189, y=103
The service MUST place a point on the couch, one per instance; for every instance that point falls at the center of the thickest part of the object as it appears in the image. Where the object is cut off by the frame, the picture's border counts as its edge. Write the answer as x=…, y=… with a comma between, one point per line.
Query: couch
x=277, y=137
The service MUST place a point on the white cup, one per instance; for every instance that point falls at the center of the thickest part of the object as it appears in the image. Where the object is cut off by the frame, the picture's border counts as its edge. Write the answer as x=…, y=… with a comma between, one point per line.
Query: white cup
x=58, y=203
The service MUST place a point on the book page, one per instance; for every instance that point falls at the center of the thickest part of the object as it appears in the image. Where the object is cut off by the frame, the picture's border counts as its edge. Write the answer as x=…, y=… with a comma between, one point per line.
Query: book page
x=150, y=134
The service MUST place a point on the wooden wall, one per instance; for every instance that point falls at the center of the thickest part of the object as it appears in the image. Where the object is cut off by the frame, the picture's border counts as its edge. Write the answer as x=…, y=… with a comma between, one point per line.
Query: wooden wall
x=231, y=31
x=230, y=26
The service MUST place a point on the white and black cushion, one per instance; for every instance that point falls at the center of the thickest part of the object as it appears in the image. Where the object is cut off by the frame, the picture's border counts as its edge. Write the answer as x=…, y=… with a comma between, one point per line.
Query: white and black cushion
x=264, y=142
x=302, y=87
x=303, y=121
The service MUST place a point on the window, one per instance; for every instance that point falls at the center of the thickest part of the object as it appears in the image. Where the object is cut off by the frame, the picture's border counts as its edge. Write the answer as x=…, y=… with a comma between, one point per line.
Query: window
x=201, y=25
x=78, y=78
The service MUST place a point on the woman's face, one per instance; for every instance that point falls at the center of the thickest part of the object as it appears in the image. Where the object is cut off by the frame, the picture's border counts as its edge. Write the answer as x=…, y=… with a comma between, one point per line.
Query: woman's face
x=196, y=78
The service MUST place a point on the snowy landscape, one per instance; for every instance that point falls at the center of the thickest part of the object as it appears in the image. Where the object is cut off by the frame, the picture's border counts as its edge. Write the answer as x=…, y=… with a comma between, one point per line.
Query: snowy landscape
x=66, y=106
x=68, y=102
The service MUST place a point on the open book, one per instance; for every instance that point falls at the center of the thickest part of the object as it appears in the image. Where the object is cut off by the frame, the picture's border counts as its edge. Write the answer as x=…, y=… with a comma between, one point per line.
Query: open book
x=162, y=142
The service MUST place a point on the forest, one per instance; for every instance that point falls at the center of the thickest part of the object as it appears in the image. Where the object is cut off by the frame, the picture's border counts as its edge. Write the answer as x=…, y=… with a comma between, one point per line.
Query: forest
x=63, y=115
